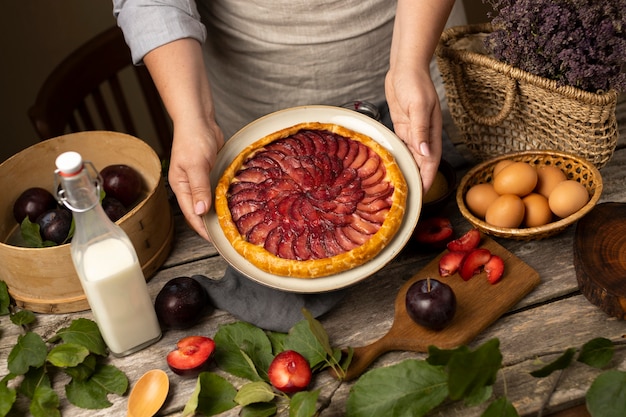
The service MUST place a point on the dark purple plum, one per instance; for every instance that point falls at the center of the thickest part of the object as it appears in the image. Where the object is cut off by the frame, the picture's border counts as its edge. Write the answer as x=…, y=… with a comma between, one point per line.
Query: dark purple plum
x=113, y=208
x=431, y=303
x=181, y=303
x=121, y=182
x=54, y=225
x=33, y=202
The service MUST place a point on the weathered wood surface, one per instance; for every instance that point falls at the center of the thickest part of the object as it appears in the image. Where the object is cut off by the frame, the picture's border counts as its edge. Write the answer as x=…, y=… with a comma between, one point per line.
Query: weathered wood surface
x=552, y=318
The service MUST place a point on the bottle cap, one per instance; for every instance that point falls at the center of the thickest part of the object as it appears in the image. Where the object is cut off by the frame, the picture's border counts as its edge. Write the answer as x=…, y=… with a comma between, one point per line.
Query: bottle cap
x=69, y=163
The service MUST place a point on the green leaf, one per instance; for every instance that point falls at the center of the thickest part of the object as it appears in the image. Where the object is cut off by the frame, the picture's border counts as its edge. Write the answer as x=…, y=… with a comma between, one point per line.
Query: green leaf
x=259, y=410
x=83, y=370
x=7, y=398
x=23, y=317
x=561, y=362
x=302, y=340
x=606, y=396
x=216, y=394
x=5, y=299
x=84, y=332
x=30, y=234
x=34, y=378
x=30, y=350
x=441, y=357
x=479, y=396
x=409, y=388
x=192, y=402
x=303, y=403
x=254, y=392
x=92, y=393
x=45, y=403
x=67, y=355
x=469, y=372
x=500, y=408
x=236, y=341
x=318, y=331
x=597, y=352
x=277, y=340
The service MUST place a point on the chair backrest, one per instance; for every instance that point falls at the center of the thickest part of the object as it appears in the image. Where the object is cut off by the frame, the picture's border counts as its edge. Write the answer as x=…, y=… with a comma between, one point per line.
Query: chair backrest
x=84, y=92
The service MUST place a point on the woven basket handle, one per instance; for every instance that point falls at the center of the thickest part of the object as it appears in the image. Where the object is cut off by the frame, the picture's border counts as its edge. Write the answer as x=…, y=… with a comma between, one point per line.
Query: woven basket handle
x=507, y=107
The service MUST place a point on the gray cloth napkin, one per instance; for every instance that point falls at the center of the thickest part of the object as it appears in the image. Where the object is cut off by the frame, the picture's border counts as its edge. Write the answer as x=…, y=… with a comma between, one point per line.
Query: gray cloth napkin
x=265, y=307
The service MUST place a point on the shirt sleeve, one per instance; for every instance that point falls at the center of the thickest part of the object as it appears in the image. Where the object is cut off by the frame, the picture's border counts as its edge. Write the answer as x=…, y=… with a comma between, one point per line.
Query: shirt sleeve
x=148, y=24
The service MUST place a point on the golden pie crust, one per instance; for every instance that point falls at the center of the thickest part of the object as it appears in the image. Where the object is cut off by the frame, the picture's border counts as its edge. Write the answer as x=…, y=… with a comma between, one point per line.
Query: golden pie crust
x=313, y=268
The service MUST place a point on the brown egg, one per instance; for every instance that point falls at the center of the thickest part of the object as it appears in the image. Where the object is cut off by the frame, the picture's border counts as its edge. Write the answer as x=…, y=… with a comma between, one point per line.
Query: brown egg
x=519, y=178
x=479, y=197
x=536, y=210
x=506, y=211
x=567, y=198
x=500, y=165
x=548, y=176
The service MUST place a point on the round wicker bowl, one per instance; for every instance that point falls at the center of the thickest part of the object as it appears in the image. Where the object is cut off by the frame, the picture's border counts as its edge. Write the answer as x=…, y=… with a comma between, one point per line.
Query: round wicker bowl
x=575, y=168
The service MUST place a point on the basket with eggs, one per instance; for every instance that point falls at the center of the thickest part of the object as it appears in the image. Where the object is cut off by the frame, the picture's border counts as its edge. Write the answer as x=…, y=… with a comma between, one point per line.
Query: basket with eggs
x=529, y=195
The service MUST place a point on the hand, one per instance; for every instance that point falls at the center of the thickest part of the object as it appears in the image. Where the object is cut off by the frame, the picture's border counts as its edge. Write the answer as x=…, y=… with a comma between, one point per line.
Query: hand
x=416, y=115
x=193, y=156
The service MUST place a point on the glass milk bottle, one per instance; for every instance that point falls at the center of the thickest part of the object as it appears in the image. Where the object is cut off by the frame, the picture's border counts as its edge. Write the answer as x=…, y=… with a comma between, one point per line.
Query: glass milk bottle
x=106, y=263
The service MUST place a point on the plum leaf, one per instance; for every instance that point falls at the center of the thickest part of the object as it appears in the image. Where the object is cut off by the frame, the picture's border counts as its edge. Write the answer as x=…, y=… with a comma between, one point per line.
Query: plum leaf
x=83, y=332
x=30, y=350
x=412, y=387
x=607, y=394
x=597, y=352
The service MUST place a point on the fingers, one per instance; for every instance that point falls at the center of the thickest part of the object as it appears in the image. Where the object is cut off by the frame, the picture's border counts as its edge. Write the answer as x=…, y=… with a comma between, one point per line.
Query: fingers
x=193, y=193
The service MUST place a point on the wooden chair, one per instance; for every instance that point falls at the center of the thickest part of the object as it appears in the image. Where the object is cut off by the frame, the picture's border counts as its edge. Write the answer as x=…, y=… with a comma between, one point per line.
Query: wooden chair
x=85, y=92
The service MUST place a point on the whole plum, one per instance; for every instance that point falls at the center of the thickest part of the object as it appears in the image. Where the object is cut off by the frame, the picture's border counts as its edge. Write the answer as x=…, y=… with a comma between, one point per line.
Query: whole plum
x=33, y=202
x=431, y=303
x=181, y=303
x=113, y=208
x=54, y=225
x=121, y=182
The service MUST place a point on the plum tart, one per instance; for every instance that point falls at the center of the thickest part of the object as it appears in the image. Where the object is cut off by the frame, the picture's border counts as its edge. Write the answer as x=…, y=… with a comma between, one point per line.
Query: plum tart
x=311, y=200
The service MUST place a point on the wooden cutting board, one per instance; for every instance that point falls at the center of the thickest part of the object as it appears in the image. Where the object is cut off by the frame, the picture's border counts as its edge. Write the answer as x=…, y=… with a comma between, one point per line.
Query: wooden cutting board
x=479, y=304
x=600, y=257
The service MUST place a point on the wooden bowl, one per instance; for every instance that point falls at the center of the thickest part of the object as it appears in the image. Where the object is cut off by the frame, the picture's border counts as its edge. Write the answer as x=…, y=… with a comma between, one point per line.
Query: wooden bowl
x=575, y=168
x=44, y=279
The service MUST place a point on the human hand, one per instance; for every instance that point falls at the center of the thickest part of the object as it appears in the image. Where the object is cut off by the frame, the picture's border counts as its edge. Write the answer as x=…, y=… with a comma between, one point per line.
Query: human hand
x=194, y=151
x=416, y=115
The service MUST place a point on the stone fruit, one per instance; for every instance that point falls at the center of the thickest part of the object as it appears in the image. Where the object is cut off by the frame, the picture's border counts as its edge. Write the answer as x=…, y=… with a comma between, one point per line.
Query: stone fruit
x=113, y=208
x=181, y=303
x=494, y=269
x=54, y=225
x=121, y=182
x=33, y=202
x=289, y=372
x=191, y=356
x=474, y=263
x=434, y=232
x=450, y=262
x=431, y=303
x=469, y=241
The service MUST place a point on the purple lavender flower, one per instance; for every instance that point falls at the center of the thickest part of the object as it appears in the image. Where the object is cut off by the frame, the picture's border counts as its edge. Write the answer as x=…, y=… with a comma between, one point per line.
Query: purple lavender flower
x=581, y=43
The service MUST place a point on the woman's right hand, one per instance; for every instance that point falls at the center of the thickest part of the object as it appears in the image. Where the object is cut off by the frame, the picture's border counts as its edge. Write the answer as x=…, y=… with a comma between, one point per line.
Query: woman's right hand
x=193, y=156
x=178, y=71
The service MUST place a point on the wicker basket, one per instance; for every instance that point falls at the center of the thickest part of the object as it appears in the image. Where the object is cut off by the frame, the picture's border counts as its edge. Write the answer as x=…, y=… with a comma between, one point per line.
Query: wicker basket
x=499, y=108
x=575, y=168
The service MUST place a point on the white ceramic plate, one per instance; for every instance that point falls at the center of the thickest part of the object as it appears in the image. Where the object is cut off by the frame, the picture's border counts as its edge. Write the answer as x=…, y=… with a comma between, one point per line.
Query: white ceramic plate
x=323, y=114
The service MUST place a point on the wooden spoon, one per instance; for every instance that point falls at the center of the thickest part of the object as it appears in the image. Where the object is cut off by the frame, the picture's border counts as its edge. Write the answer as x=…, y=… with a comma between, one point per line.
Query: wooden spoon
x=478, y=305
x=148, y=394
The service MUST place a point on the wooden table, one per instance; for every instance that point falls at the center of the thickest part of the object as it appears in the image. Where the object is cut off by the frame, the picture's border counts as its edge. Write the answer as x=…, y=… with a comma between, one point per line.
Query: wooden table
x=552, y=318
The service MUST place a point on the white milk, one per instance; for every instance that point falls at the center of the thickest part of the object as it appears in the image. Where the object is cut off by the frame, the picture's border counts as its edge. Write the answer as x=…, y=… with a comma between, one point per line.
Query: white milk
x=117, y=293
